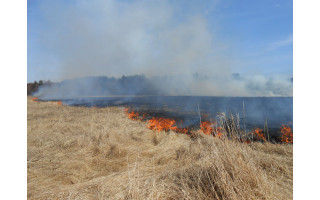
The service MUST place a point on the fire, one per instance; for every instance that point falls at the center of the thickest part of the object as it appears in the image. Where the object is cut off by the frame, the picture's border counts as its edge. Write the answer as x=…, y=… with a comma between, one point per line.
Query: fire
x=132, y=115
x=59, y=103
x=218, y=132
x=259, y=134
x=182, y=130
x=160, y=123
x=206, y=127
x=166, y=124
x=287, y=136
x=35, y=99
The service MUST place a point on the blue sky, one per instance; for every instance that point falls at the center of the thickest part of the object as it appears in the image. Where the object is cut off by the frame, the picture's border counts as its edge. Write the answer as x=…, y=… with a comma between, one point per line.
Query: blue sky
x=247, y=37
x=261, y=31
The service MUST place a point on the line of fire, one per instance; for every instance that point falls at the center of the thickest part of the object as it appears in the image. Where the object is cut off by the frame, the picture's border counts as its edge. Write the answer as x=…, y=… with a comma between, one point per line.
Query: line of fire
x=224, y=129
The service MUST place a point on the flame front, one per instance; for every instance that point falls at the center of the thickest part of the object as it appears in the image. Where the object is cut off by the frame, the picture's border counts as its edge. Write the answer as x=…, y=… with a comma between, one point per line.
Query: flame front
x=287, y=136
x=259, y=134
x=160, y=123
x=182, y=130
x=35, y=99
x=206, y=127
x=131, y=115
x=218, y=132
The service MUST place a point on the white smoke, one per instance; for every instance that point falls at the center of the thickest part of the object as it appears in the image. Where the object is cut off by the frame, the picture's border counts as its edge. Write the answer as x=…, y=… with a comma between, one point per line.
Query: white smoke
x=113, y=38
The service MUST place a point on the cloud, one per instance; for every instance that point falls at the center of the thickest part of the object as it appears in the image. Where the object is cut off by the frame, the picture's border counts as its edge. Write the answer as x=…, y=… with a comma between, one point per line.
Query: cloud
x=282, y=43
x=274, y=46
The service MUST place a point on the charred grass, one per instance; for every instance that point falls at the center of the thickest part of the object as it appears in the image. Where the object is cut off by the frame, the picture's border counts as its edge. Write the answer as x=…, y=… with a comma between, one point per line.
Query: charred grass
x=85, y=153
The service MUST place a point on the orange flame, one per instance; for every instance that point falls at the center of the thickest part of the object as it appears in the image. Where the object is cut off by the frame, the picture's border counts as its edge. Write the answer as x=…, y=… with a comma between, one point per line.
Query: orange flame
x=35, y=99
x=132, y=115
x=218, y=132
x=259, y=134
x=59, y=103
x=166, y=124
x=206, y=127
x=160, y=123
x=287, y=136
x=182, y=130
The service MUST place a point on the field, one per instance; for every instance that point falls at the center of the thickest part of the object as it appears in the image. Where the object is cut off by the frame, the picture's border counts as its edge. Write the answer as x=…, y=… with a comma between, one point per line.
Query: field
x=98, y=153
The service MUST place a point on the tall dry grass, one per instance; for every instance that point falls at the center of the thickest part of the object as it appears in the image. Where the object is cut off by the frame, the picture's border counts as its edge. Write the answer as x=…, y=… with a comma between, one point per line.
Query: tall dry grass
x=85, y=153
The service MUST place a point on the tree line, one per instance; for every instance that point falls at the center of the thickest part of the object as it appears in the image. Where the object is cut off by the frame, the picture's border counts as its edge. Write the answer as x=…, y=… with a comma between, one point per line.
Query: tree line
x=34, y=87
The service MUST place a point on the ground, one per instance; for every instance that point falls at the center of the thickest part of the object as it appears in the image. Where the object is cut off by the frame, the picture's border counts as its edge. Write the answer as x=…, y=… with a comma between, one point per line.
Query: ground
x=98, y=153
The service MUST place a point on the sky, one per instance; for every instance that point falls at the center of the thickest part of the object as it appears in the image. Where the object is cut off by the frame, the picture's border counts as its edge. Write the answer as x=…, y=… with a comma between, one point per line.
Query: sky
x=68, y=39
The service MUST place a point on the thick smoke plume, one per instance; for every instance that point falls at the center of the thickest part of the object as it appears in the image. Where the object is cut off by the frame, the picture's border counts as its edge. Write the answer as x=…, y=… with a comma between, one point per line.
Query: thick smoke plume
x=164, y=85
x=177, y=55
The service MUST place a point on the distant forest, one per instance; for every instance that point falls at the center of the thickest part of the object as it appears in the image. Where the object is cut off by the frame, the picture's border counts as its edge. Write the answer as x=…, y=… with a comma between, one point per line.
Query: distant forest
x=34, y=87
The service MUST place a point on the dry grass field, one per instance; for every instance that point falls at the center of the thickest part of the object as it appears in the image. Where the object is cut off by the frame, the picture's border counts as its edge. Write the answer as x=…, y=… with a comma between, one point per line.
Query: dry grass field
x=88, y=153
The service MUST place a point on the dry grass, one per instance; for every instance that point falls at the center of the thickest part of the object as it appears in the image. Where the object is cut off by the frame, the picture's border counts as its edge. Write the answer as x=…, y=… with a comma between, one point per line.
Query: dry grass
x=85, y=153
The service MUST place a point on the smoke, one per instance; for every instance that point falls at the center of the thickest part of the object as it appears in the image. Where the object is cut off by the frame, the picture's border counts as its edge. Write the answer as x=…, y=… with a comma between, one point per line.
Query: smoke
x=178, y=53
x=196, y=85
